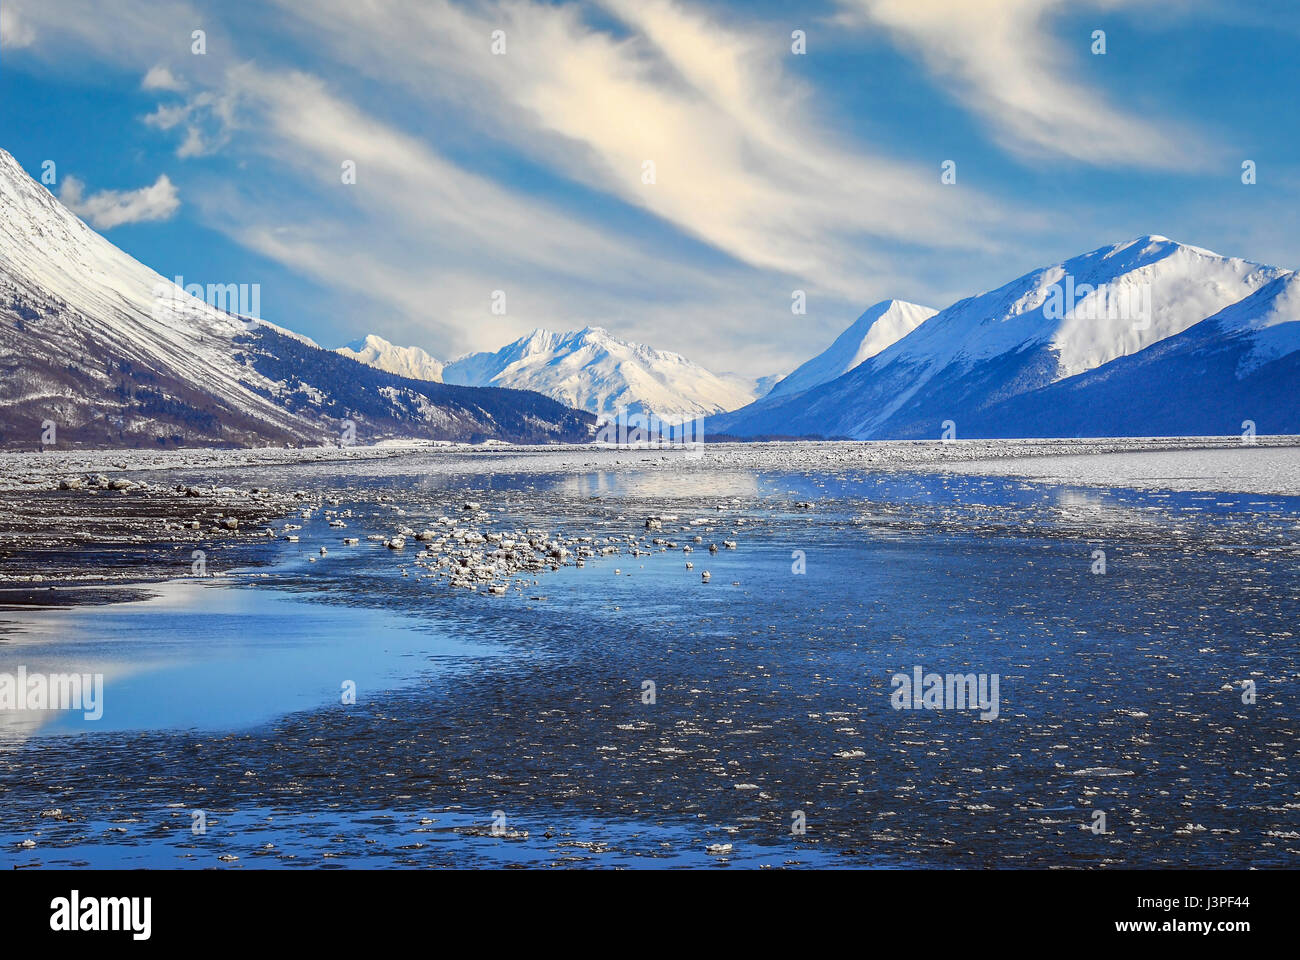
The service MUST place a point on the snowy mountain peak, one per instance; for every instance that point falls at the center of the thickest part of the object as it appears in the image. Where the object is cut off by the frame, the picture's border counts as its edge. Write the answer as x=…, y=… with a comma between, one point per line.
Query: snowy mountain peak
x=539, y=339
x=1146, y=249
x=410, y=362
x=1045, y=327
x=49, y=256
x=111, y=352
x=1118, y=300
x=880, y=326
x=595, y=371
x=1087, y=310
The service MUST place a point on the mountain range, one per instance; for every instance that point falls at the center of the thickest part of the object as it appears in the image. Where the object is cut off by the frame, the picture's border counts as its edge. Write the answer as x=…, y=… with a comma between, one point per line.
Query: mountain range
x=595, y=371
x=105, y=351
x=1145, y=337
x=589, y=369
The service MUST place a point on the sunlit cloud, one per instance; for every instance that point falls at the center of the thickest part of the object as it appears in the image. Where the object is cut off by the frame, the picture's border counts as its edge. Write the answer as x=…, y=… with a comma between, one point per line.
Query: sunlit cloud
x=526, y=170
x=123, y=32
x=1000, y=59
x=15, y=32
x=114, y=208
x=738, y=162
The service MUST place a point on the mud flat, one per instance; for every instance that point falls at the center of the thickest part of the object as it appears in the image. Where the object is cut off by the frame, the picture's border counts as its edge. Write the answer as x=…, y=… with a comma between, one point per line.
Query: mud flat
x=836, y=566
x=42, y=471
x=1244, y=468
x=89, y=535
x=82, y=517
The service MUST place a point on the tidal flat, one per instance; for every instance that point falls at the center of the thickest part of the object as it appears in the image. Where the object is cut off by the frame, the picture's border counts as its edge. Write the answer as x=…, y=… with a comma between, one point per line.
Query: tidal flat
x=520, y=662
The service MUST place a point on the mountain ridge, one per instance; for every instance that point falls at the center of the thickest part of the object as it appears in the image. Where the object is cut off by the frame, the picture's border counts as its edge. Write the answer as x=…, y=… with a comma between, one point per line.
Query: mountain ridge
x=981, y=351
x=593, y=370
x=880, y=326
x=110, y=353
x=410, y=362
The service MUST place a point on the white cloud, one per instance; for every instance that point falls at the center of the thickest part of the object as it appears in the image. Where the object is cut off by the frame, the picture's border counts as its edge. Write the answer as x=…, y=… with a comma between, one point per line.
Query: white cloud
x=160, y=77
x=113, y=208
x=193, y=145
x=746, y=166
x=999, y=59
x=759, y=191
x=741, y=161
x=427, y=240
x=124, y=32
x=208, y=118
x=167, y=116
x=14, y=32
x=447, y=312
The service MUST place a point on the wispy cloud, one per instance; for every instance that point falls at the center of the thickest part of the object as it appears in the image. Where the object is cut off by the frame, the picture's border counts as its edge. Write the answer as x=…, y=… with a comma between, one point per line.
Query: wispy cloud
x=739, y=161
x=1001, y=60
x=428, y=241
x=15, y=32
x=207, y=117
x=113, y=208
x=524, y=171
x=125, y=32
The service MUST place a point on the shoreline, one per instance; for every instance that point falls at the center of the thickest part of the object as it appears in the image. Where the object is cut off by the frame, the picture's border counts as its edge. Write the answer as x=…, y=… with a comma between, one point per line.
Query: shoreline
x=173, y=503
x=28, y=469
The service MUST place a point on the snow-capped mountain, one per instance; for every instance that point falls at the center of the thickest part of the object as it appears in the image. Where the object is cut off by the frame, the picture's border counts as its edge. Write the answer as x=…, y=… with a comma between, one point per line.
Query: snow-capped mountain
x=1044, y=328
x=594, y=371
x=880, y=326
x=411, y=362
x=110, y=352
x=1240, y=365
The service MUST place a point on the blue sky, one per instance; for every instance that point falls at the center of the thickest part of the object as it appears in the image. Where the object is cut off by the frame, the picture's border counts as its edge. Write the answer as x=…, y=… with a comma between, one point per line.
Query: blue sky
x=524, y=171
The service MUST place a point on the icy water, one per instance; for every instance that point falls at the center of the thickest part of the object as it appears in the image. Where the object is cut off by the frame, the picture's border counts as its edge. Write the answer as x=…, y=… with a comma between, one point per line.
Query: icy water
x=216, y=656
x=1119, y=692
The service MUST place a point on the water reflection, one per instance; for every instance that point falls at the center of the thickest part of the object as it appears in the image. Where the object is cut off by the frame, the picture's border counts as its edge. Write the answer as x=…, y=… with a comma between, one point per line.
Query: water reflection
x=669, y=486
x=217, y=656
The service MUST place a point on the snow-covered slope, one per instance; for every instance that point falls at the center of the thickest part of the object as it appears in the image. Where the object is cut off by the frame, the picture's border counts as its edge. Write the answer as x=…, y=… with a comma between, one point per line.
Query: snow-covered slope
x=1047, y=326
x=880, y=326
x=594, y=371
x=112, y=353
x=1242, y=364
x=409, y=362
x=49, y=257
